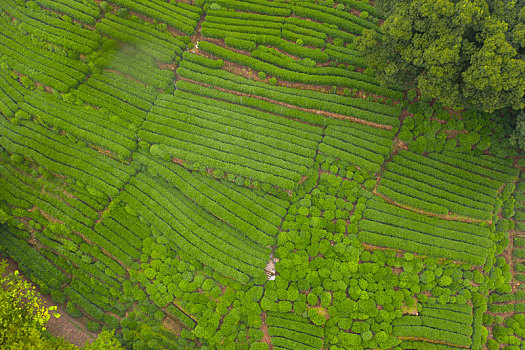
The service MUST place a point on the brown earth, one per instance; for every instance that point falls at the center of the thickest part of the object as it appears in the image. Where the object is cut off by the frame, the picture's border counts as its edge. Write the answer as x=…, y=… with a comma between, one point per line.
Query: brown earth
x=266, y=337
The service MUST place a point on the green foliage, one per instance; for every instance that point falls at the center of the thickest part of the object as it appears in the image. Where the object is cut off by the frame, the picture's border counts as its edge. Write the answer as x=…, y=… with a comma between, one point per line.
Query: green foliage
x=240, y=44
x=22, y=313
x=482, y=70
x=105, y=341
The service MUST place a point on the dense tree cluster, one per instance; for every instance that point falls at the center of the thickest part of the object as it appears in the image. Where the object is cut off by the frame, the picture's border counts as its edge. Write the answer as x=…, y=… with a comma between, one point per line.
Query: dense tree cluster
x=468, y=53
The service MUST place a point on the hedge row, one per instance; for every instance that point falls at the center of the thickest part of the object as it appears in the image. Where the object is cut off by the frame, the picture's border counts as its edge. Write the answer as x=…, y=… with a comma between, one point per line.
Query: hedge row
x=456, y=192
x=341, y=57
x=502, y=165
x=276, y=4
x=76, y=210
x=519, y=241
x=382, y=137
x=126, y=112
x=154, y=206
x=478, y=165
x=241, y=142
x=234, y=208
x=363, y=136
x=113, y=268
x=286, y=129
x=349, y=154
x=305, y=31
x=397, y=227
x=98, y=270
x=518, y=253
x=128, y=223
x=152, y=47
x=93, y=130
x=241, y=44
x=461, y=313
x=299, y=326
x=179, y=18
x=305, y=38
x=432, y=334
x=10, y=94
x=119, y=95
x=449, y=173
x=276, y=41
x=30, y=261
x=436, y=323
x=318, y=13
x=287, y=63
x=98, y=296
x=148, y=30
x=202, y=60
x=285, y=343
x=244, y=15
x=501, y=308
x=129, y=91
x=448, y=315
x=265, y=8
x=245, y=29
x=54, y=30
x=242, y=22
x=358, y=147
x=84, y=303
x=475, y=229
x=255, y=103
x=220, y=155
x=118, y=240
x=59, y=155
x=11, y=195
x=299, y=337
x=141, y=68
x=319, y=29
x=386, y=189
x=363, y=6
x=345, y=15
x=231, y=141
x=446, y=201
x=181, y=316
x=296, y=76
x=25, y=150
x=519, y=215
x=270, y=202
x=422, y=345
x=189, y=218
x=52, y=69
x=111, y=271
x=301, y=98
x=81, y=11
x=279, y=145
x=128, y=236
x=406, y=244
x=159, y=45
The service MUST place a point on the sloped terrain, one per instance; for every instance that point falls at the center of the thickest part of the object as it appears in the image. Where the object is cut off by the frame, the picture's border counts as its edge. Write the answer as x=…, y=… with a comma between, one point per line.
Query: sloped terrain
x=229, y=174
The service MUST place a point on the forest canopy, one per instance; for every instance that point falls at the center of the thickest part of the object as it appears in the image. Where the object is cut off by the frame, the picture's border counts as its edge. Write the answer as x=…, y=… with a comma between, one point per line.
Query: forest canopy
x=468, y=53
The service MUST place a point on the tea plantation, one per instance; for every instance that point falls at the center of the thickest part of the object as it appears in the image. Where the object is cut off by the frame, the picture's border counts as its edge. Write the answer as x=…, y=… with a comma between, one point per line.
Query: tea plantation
x=229, y=174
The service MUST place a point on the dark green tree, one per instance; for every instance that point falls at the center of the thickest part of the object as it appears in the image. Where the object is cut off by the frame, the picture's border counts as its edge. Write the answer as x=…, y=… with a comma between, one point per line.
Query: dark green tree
x=467, y=53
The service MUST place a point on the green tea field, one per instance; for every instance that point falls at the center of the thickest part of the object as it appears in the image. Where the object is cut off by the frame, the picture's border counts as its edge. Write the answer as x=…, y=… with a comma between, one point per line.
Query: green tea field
x=230, y=174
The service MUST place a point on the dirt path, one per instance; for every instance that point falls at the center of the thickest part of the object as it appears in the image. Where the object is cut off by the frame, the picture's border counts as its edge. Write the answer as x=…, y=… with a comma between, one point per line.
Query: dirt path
x=65, y=326
x=266, y=337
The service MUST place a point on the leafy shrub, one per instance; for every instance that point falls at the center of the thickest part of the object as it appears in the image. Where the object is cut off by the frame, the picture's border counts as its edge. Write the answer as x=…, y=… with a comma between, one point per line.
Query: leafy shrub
x=93, y=326
x=73, y=310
